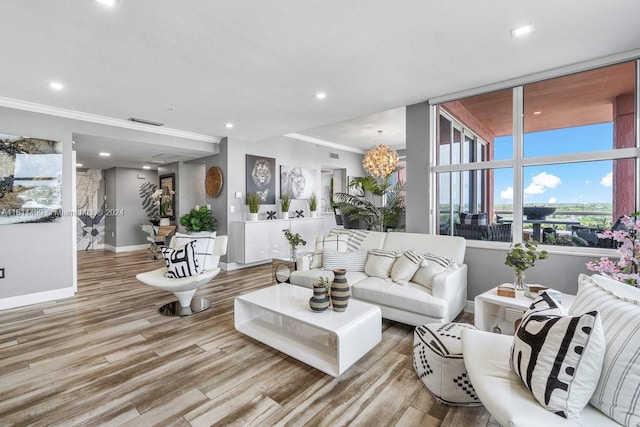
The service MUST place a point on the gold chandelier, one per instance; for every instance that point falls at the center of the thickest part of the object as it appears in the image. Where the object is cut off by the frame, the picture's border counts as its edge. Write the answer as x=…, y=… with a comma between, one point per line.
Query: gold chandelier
x=380, y=161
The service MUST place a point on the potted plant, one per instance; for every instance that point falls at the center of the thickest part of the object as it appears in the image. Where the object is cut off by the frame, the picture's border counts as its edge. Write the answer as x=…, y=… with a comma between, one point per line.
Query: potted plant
x=163, y=198
x=294, y=240
x=521, y=257
x=198, y=220
x=285, y=202
x=313, y=205
x=253, y=200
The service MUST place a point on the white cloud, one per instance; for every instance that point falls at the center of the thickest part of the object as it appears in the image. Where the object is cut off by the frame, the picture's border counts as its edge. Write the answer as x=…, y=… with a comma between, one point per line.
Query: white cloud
x=552, y=200
x=534, y=189
x=546, y=180
x=507, y=193
x=607, y=180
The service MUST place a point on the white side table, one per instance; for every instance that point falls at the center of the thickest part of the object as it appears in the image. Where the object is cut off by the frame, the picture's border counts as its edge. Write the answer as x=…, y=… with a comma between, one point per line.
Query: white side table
x=498, y=314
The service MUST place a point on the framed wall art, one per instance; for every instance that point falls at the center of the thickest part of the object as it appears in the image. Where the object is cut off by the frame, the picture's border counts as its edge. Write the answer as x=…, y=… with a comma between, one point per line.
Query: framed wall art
x=260, y=178
x=299, y=183
x=168, y=186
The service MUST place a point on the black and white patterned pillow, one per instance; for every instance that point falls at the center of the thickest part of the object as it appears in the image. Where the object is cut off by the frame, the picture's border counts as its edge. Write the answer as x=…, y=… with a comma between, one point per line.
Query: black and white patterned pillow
x=181, y=262
x=337, y=242
x=205, y=243
x=405, y=267
x=618, y=392
x=474, y=219
x=350, y=261
x=558, y=357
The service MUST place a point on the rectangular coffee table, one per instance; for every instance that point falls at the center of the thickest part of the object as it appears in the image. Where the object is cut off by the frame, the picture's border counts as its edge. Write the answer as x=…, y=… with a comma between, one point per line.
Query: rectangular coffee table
x=279, y=316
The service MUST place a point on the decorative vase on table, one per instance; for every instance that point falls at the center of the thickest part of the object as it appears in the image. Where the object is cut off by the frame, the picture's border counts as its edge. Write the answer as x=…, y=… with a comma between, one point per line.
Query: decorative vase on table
x=319, y=302
x=340, y=292
x=518, y=281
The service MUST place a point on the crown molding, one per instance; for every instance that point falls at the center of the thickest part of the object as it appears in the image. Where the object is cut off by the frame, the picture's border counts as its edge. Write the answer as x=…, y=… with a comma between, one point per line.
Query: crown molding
x=103, y=120
x=313, y=140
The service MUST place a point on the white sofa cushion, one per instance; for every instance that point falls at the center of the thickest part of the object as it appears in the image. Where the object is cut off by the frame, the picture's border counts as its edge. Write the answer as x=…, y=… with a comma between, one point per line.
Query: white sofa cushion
x=618, y=392
x=431, y=266
x=453, y=247
x=412, y=297
x=559, y=358
x=337, y=242
x=350, y=261
x=379, y=263
x=486, y=356
x=405, y=267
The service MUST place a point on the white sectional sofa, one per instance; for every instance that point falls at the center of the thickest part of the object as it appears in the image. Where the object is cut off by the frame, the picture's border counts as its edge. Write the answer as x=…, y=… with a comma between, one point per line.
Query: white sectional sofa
x=486, y=356
x=410, y=303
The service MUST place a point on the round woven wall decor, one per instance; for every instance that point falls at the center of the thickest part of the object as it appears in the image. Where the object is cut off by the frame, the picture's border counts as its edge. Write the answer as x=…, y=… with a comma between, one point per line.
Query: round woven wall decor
x=213, y=182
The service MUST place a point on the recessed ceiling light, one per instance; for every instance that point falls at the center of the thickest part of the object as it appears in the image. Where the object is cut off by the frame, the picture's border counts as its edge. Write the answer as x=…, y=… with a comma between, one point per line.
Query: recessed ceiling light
x=228, y=125
x=537, y=113
x=109, y=3
x=146, y=167
x=78, y=165
x=105, y=154
x=320, y=95
x=521, y=31
x=56, y=85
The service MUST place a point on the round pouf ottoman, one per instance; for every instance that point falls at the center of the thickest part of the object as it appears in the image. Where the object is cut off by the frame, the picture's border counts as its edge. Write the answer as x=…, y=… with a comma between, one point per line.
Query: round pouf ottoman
x=437, y=359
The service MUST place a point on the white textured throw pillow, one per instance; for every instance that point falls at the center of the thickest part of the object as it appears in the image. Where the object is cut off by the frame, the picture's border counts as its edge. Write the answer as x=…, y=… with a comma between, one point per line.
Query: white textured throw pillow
x=618, y=392
x=350, y=261
x=379, y=263
x=181, y=262
x=337, y=242
x=205, y=241
x=405, y=267
x=557, y=357
x=430, y=267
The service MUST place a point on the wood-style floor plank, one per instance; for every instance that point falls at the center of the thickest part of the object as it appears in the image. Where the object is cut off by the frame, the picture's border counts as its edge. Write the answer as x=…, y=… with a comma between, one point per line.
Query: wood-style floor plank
x=106, y=357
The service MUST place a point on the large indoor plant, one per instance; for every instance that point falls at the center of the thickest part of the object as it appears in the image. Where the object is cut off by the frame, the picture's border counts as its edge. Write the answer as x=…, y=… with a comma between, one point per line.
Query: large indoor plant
x=626, y=268
x=521, y=257
x=200, y=219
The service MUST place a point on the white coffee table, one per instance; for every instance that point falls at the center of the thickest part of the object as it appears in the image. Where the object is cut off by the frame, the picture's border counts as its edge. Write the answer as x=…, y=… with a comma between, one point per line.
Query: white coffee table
x=492, y=310
x=279, y=316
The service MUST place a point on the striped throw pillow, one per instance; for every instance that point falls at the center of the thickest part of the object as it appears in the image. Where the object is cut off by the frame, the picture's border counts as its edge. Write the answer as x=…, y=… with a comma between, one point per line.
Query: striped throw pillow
x=379, y=263
x=405, y=267
x=474, y=219
x=558, y=357
x=350, y=261
x=431, y=266
x=181, y=262
x=337, y=242
x=617, y=394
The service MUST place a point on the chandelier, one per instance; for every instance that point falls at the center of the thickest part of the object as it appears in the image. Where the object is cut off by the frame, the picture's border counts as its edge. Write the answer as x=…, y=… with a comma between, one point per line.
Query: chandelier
x=380, y=161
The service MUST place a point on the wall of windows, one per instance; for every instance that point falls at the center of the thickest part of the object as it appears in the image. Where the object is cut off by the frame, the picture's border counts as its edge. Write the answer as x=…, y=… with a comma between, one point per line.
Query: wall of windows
x=554, y=161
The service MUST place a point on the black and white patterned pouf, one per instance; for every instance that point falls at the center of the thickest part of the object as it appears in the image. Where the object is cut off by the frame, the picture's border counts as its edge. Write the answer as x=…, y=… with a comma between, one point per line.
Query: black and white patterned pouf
x=437, y=359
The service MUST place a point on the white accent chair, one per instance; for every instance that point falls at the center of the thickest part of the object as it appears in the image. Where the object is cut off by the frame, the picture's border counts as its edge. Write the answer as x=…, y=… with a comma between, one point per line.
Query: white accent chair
x=184, y=288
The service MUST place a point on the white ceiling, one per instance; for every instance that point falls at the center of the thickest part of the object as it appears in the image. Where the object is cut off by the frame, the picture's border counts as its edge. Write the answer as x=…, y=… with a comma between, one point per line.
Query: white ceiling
x=195, y=65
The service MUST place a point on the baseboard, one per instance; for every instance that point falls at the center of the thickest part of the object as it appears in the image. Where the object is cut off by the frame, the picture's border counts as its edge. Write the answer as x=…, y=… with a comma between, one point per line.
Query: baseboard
x=469, y=307
x=22, y=300
x=118, y=249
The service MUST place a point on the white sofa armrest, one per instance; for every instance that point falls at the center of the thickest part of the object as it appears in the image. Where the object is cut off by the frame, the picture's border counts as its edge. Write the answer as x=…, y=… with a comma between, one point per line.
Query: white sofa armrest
x=451, y=286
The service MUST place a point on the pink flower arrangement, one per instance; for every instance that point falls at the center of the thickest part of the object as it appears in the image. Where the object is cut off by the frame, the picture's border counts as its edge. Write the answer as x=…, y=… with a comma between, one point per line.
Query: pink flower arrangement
x=626, y=268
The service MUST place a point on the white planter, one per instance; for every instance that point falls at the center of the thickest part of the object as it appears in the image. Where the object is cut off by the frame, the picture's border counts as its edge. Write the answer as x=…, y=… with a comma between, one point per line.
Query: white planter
x=253, y=216
x=314, y=214
x=285, y=215
x=165, y=221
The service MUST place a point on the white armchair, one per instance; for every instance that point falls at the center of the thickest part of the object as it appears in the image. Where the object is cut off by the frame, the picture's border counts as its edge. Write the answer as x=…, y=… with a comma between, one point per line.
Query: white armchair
x=184, y=288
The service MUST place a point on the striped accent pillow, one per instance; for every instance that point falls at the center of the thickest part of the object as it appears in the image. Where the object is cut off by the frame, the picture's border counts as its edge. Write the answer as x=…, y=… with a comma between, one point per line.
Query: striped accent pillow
x=431, y=266
x=557, y=357
x=474, y=219
x=205, y=242
x=617, y=394
x=337, y=242
x=356, y=237
x=350, y=261
x=405, y=267
x=181, y=262
x=379, y=263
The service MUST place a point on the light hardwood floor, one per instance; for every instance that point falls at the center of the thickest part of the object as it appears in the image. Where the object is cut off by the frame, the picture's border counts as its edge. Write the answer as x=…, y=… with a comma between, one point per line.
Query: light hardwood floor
x=107, y=357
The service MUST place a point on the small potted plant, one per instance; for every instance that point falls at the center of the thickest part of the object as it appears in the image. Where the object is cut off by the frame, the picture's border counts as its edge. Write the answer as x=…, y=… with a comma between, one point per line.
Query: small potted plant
x=198, y=220
x=253, y=200
x=313, y=205
x=285, y=202
x=294, y=240
x=521, y=257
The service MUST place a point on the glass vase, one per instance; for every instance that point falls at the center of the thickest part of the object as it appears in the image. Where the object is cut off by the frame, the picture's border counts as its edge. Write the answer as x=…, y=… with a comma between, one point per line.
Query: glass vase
x=518, y=281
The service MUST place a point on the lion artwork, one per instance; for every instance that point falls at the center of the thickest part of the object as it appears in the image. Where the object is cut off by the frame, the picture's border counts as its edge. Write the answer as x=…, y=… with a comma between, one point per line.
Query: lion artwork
x=293, y=182
x=261, y=175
